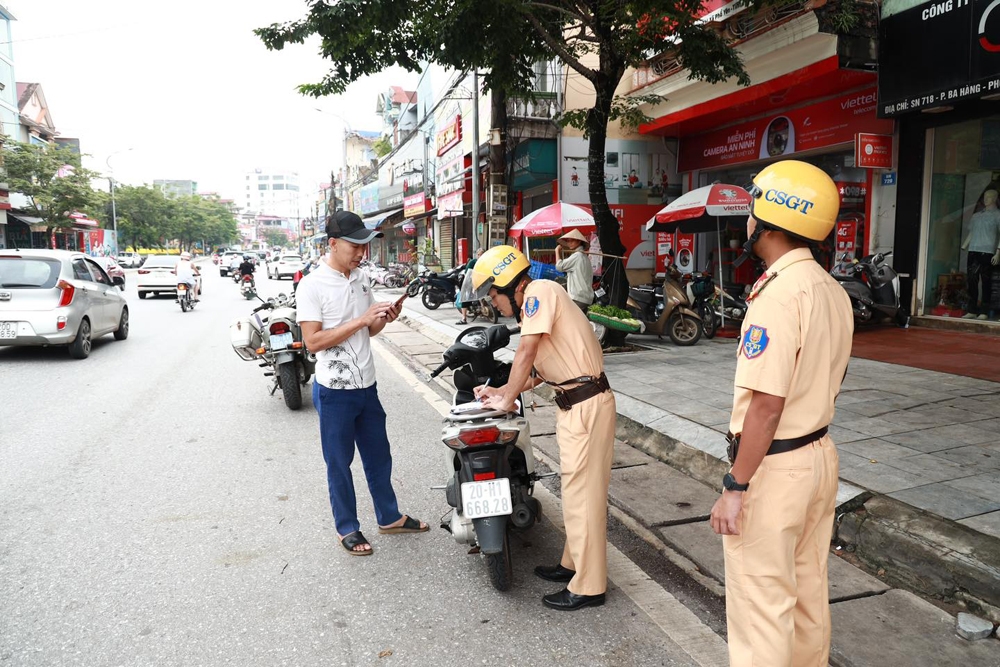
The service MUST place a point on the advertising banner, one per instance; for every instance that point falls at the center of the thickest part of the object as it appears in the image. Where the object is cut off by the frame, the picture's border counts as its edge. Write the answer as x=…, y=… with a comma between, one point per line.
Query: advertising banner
x=847, y=231
x=827, y=123
x=100, y=243
x=873, y=151
x=937, y=52
x=369, y=198
x=414, y=205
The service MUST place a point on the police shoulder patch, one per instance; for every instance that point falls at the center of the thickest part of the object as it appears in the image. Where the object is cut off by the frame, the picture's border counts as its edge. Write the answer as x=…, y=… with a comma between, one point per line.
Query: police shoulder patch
x=755, y=341
x=531, y=306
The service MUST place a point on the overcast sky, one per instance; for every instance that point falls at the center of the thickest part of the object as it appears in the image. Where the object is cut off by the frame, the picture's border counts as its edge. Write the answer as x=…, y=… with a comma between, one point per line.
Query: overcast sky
x=188, y=87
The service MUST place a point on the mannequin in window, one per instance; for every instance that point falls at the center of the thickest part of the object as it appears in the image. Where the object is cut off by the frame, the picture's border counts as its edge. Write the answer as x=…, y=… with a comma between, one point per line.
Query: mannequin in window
x=983, y=244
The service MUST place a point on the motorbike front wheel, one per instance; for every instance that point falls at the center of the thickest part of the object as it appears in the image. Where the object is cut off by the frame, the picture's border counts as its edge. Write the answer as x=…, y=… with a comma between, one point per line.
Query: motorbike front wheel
x=708, y=322
x=500, y=566
x=683, y=330
x=291, y=390
x=432, y=298
x=184, y=303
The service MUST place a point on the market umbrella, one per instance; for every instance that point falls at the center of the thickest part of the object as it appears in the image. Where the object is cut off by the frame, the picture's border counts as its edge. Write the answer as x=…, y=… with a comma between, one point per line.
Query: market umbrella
x=702, y=210
x=553, y=220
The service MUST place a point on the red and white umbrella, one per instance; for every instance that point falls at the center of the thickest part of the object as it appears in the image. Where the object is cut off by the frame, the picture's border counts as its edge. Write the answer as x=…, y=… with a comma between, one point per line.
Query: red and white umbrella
x=699, y=210
x=553, y=220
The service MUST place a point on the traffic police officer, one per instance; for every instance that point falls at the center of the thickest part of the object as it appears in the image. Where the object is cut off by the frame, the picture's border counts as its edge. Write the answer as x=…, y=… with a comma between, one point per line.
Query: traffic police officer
x=558, y=343
x=776, y=510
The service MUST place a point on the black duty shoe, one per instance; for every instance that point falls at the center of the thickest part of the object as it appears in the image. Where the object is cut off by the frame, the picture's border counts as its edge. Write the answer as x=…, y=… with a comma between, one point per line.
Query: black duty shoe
x=565, y=600
x=556, y=573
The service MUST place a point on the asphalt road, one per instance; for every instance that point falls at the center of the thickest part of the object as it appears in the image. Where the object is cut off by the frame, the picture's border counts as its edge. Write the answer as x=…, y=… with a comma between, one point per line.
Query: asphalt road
x=158, y=507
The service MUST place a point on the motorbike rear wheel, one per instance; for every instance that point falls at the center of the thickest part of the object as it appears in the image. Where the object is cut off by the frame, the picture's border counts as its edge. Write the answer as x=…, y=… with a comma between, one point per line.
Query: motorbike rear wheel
x=683, y=330
x=708, y=322
x=184, y=302
x=500, y=566
x=432, y=299
x=291, y=390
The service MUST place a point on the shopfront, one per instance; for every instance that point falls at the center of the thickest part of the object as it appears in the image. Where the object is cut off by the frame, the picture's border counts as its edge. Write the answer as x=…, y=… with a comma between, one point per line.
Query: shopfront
x=940, y=78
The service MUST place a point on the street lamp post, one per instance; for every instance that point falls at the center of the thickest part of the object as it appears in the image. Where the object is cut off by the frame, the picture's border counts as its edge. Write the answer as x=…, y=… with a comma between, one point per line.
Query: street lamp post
x=111, y=179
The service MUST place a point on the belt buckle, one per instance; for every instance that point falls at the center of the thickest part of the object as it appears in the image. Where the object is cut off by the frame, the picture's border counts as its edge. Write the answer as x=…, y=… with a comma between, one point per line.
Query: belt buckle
x=563, y=401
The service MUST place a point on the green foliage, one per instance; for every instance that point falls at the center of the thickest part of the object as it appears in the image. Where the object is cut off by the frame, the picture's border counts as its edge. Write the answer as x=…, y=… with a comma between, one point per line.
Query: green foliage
x=52, y=179
x=610, y=311
x=146, y=218
x=275, y=238
x=844, y=16
x=625, y=109
x=382, y=146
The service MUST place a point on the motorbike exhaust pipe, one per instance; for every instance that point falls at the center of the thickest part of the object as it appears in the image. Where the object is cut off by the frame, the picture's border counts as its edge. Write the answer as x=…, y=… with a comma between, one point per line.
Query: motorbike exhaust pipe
x=522, y=516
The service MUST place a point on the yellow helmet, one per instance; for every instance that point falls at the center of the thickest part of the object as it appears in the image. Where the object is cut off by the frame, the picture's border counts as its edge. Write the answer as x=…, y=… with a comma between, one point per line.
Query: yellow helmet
x=796, y=197
x=501, y=267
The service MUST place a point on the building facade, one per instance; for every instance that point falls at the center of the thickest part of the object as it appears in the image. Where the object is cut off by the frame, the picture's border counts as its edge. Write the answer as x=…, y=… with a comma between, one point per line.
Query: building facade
x=9, y=123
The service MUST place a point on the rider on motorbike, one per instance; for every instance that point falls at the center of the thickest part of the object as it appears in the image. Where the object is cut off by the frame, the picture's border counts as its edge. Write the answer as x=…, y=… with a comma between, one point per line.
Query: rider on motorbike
x=246, y=267
x=188, y=273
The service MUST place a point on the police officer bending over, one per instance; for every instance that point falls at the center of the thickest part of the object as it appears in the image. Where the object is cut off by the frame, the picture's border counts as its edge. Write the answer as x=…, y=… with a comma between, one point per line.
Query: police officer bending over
x=776, y=512
x=559, y=343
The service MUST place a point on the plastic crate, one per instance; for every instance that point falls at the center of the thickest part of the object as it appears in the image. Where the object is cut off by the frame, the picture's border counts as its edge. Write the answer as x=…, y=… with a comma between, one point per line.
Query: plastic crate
x=542, y=271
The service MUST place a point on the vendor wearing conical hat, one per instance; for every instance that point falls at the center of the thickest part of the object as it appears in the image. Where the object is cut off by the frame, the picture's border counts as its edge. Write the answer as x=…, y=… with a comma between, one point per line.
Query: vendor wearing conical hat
x=576, y=266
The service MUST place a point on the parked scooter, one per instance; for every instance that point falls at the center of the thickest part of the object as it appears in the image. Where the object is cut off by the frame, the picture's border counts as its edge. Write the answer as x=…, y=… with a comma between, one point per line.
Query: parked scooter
x=489, y=461
x=442, y=288
x=700, y=290
x=277, y=341
x=665, y=309
x=873, y=287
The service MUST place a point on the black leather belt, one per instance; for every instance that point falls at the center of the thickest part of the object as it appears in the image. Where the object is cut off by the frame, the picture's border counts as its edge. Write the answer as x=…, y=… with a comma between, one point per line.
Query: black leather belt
x=777, y=446
x=592, y=387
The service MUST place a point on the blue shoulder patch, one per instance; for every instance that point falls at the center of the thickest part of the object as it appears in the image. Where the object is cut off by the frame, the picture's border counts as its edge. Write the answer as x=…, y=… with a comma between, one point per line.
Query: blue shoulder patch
x=755, y=341
x=531, y=306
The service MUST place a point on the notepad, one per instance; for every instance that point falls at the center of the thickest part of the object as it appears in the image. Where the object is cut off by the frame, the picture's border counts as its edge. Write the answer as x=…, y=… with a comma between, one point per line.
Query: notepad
x=476, y=406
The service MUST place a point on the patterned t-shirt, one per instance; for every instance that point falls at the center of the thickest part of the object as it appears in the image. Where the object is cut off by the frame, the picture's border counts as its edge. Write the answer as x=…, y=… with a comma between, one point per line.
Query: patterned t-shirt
x=331, y=298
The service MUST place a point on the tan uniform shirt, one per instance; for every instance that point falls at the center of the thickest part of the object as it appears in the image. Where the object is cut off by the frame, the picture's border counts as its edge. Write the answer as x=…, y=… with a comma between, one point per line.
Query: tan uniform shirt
x=571, y=349
x=795, y=343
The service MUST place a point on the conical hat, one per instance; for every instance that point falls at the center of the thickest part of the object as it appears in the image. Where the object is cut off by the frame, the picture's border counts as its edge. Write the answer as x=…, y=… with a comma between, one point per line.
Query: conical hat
x=576, y=236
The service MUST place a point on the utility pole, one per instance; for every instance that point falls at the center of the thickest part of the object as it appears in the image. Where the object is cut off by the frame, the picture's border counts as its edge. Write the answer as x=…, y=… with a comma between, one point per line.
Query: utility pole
x=475, y=162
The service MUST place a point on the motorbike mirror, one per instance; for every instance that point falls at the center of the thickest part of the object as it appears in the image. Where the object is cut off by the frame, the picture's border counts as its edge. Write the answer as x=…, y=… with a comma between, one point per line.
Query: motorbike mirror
x=498, y=336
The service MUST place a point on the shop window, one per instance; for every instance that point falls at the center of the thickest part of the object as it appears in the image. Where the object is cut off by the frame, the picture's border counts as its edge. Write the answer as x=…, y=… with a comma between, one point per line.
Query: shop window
x=963, y=228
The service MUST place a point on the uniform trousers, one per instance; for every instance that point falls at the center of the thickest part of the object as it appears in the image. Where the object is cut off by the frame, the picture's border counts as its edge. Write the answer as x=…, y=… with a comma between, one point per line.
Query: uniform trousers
x=350, y=418
x=777, y=601
x=586, y=437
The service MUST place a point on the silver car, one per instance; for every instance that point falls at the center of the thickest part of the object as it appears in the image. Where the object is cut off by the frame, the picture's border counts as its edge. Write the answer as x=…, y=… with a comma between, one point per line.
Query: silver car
x=57, y=297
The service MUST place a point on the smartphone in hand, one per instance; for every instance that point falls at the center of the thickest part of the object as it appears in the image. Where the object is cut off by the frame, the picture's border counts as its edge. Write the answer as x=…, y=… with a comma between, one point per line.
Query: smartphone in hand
x=400, y=300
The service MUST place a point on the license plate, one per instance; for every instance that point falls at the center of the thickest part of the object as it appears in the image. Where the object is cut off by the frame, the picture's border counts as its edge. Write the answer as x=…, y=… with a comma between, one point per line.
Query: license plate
x=280, y=341
x=490, y=498
x=8, y=330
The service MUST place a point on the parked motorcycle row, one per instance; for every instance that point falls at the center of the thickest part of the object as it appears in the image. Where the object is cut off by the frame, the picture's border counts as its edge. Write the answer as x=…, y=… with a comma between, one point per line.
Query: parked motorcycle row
x=396, y=275
x=439, y=288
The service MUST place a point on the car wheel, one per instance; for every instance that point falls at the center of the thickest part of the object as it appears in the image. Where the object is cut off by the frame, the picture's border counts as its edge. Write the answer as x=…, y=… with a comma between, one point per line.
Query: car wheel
x=142, y=295
x=121, y=333
x=81, y=345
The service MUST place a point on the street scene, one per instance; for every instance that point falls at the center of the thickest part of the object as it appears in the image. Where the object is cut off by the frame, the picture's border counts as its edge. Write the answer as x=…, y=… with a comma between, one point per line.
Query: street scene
x=500, y=333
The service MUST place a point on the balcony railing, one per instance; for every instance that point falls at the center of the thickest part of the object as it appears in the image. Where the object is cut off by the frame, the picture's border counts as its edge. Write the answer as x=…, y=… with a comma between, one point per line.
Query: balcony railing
x=545, y=106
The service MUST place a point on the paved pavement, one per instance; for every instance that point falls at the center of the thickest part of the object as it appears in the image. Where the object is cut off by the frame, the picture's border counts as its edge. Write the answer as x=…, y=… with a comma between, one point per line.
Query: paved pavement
x=158, y=507
x=910, y=434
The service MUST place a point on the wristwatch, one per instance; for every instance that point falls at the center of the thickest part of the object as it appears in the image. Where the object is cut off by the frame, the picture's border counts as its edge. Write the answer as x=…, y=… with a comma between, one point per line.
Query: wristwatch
x=729, y=483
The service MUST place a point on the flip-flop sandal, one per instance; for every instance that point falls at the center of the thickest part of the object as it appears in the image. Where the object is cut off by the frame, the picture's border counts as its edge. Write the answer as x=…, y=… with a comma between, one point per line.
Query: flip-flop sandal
x=355, y=539
x=411, y=525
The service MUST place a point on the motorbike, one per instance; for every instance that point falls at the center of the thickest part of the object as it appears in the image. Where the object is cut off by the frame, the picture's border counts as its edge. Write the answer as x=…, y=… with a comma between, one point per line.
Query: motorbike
x=248, y=288
x=665, y=309
x=276, y=340
x=873, y=287
x=442, y=288
x=489, y=459
x=700, y=291
x=184, y=297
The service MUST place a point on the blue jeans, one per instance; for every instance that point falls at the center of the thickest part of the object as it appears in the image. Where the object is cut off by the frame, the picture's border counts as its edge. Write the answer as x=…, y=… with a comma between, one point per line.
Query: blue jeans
x=349, y=417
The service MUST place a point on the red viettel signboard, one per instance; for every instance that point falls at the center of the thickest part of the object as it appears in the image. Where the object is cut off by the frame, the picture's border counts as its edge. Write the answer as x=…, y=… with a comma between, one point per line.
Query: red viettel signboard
x=450, y=136
x=827, y=123
x=873, y=151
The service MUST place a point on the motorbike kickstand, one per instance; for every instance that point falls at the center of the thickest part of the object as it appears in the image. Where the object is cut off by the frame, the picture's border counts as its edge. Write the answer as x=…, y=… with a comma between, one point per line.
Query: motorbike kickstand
x=274, y=387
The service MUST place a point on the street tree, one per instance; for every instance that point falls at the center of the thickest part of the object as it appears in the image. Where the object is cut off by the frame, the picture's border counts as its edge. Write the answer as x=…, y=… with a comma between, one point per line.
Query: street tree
x=53, y=180
x=275, y=238
x=144, y=216
x=598, y=39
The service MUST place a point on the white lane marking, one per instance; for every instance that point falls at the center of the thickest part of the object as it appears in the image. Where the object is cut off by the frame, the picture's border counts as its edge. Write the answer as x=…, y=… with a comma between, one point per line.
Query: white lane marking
x=676, y=621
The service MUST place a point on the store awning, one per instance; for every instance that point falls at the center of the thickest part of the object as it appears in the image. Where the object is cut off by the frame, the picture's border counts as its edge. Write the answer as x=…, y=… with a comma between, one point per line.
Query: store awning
x=534, y=163
x=35, y=223
x=375, y=221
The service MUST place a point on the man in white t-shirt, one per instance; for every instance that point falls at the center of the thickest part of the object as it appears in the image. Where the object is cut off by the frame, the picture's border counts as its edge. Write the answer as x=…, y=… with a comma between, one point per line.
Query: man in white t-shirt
x=339, y=315
x=187, y=272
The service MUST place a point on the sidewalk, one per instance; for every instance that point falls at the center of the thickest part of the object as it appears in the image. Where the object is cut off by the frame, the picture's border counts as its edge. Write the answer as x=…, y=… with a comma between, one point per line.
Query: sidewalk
x=919, y=500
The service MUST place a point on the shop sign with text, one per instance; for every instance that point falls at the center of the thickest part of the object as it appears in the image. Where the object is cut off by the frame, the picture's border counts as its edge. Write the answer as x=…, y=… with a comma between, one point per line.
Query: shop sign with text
x=936, y=53
x=414, y=205
x=827, y=123
x=873, y=151
x=450, y=136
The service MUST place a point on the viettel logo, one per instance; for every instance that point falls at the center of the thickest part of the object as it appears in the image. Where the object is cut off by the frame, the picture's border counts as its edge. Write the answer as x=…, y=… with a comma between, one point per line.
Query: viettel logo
x=983, y=39
x=731, y=194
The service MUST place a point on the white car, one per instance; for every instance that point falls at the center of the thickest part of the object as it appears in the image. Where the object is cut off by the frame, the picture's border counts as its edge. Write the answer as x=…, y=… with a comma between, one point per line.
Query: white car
x=130, y=260
x=57, y=297
x=226, y=260
x=284, y=266
x=157, y=276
